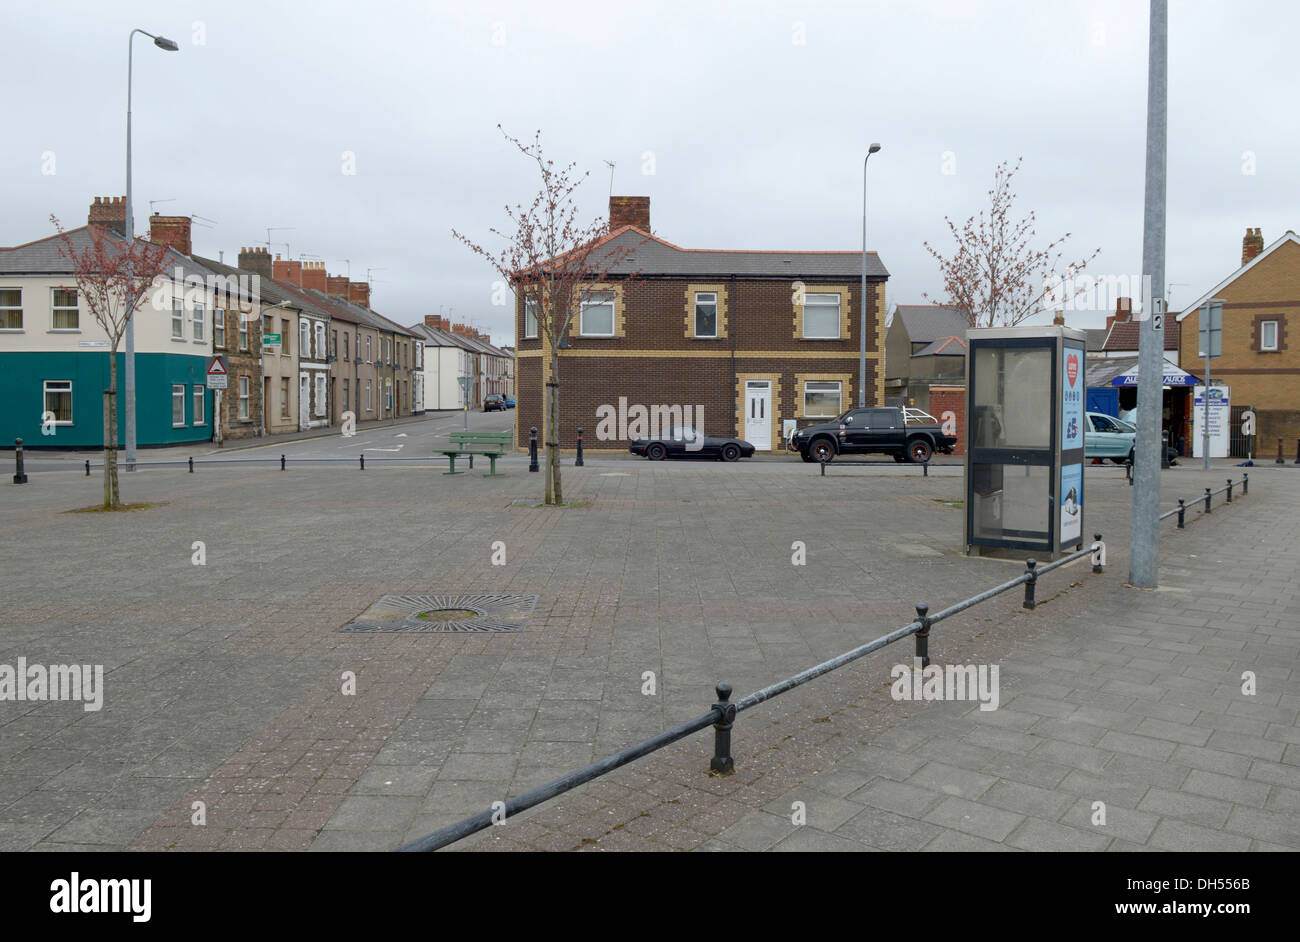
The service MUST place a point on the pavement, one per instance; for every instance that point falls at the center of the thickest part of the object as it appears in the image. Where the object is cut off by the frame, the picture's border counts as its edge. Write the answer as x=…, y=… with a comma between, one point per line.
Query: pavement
x=232, y=697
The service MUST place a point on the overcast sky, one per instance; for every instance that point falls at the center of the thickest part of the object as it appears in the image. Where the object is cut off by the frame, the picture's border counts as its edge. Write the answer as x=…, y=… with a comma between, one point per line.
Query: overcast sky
x=745, y=123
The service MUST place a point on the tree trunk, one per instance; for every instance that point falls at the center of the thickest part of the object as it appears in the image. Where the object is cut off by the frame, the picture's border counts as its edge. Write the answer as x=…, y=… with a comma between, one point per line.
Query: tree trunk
x=112, y=496
x=554, y=489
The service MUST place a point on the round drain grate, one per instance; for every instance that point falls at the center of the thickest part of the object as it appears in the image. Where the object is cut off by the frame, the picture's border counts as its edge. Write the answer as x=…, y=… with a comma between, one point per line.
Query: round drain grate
x=445, y=613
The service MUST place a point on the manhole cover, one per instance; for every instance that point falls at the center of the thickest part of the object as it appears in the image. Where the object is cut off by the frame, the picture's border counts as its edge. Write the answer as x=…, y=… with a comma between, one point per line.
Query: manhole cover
x=445, y=613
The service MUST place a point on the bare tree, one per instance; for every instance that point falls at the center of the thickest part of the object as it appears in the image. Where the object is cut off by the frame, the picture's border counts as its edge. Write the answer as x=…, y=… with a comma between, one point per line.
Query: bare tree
x=994, y=274
x=553, y=260
x=112, y=278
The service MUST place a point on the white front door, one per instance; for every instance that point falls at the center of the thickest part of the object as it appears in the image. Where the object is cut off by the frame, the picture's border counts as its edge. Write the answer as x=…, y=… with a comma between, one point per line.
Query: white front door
x=758, y=414
x=304, y=399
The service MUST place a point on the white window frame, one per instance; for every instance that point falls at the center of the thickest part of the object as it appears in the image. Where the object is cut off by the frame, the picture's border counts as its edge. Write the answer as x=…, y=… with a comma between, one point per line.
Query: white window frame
x=245, y=408
x=368, y=399
x=56, y=309
x=178, y=393
x=45, y=398
x=611, y=303
x=808, y=302
x=839, y=392
x=368, y=360
x=199, y=404
x=4, y=312
x=304, y=339
x=285, y=386
x=320, y=392
x=531, y=322
x=695, y=326
x=320, y=341
x=196, y=317
x=1264, y=345
x=219, y=324
x=178, y=318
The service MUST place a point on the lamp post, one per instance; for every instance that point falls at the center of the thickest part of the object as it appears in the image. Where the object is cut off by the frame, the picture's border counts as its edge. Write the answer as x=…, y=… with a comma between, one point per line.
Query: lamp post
x=862, y=338
x=167, y=44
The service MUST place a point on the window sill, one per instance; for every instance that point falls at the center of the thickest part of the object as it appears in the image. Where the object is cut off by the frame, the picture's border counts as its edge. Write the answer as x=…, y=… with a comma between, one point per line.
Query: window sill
x=698, y=337
x=821, y=338
x=178, y=340
x=12, y=330
x=64, y=330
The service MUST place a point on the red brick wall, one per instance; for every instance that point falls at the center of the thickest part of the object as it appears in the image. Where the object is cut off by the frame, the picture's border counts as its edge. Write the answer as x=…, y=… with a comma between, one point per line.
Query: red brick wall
x=950, y=399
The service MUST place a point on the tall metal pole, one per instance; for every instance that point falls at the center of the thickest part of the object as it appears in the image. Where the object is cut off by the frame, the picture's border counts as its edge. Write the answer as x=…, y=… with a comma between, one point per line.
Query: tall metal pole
x=1144, y=558
x=130, y=242
x=862, y=328
x=1205, y=410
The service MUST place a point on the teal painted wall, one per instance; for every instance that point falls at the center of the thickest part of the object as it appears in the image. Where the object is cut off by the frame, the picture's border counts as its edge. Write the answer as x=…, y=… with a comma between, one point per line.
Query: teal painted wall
x=22, y=377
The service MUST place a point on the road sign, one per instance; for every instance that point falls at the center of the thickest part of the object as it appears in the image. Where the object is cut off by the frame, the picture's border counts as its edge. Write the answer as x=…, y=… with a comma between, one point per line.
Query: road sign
x=270, y=340
x=217, y=373
x=1210, y=321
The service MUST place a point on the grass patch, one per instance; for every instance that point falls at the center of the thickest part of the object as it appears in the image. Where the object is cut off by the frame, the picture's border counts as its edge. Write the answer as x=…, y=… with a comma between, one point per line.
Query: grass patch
x=122, y=508
x=447, y=614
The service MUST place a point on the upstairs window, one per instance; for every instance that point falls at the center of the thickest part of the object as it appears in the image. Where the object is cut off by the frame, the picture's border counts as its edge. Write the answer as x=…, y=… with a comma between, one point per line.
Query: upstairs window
x=597, y=315
x=63, y=304
x=821, y=316
x=197, y=318
x=11, y=308
x=243, y=331
x=304, y=339
x=530, y=318
x=219, y=328
x=1268, y=335
x=178, y=320
x=706, y=314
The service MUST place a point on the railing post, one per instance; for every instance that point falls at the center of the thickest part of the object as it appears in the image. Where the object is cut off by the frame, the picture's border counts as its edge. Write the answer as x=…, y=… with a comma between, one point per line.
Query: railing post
x=1245, y=484
x=282, y=462
x=923, y=636
x=722, y=762
x=20, y=476
x=1230, y=490
x=532, y=449
x=87, y=467
x=823, y=463
x=578, y=462
x=1128, y=471
x=1280, y=459
x=1207, y=500
x=1098, y=554
x=1030, y=582
x=925, y=468
x=1181, y=510
x=363, y=462
x=191, y=464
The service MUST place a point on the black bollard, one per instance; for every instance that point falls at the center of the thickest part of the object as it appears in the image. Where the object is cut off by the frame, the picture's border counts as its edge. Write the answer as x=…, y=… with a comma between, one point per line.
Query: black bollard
x=1181, y=510
x=1280, y=459
x=1245, y=484
x=20, y=476
x=925, y=468
x=578, y=463
x=1030, y=583
x=923, y=635
x=191, y=464
x=1297, y=451
x=1230, y=490
x=532, y=449
x=87, y=467
x=282, y=462
x=363, y=462
x=722, y=762
x=1207, y=500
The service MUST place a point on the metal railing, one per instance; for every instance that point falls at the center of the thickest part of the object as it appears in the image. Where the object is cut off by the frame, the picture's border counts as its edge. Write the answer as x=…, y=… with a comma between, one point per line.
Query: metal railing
x=1181, y=510
x=722, y=715
x=282, y=460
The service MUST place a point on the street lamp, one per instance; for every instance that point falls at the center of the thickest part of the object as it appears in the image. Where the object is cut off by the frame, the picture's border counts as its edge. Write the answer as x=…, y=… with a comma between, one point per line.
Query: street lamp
x=162, y=43
x=862, y=338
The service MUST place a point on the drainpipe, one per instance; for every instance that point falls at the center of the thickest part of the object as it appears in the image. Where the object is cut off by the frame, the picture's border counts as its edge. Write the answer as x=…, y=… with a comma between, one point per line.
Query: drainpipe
x=735, y=432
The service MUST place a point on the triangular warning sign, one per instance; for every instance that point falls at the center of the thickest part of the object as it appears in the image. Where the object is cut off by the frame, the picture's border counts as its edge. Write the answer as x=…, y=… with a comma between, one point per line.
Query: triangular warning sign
x=216, y=368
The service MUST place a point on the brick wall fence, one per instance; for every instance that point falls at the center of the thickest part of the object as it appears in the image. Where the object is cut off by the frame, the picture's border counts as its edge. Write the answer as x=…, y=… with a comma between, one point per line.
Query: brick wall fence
x=948, y=405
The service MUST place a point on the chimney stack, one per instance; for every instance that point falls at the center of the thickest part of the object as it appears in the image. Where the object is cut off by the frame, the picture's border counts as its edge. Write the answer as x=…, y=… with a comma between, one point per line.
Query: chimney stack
x=629, y=211
x=314, y=276
x=359, y=293
x=1251, y=245
x=108, y=211
x=1059, y=319
x=257, y=260
x=289, y=271
x=170, y=230
x=337, y=286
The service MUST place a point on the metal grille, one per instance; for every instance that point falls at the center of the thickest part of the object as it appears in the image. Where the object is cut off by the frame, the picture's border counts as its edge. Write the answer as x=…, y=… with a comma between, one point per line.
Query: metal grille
x=402, y=613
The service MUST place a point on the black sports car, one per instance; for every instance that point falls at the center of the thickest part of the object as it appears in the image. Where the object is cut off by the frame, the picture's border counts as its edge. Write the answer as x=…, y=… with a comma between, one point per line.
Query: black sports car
x=686, y=442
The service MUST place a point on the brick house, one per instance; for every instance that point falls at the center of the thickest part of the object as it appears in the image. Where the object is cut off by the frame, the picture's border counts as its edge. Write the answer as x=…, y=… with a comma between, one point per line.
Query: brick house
x=925, y=344
x=1261, y=349
x=754, y=338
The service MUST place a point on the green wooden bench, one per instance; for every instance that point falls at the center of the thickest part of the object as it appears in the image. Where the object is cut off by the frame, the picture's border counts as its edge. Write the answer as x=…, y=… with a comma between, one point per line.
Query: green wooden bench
x=494, y=446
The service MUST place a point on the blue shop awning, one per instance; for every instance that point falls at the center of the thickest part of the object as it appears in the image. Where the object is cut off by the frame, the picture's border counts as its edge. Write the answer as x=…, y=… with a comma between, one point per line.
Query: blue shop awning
x=1173, y=376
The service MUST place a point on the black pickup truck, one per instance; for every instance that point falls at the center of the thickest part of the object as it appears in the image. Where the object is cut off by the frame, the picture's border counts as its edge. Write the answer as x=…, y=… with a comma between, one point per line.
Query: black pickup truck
x=872, y=431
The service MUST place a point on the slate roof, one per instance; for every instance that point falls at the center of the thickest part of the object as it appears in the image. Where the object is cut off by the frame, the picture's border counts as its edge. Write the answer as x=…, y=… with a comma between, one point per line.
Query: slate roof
x=945, y=347
x=269, y=291
x=926, y=323
x=43, y=257
x=651, y=256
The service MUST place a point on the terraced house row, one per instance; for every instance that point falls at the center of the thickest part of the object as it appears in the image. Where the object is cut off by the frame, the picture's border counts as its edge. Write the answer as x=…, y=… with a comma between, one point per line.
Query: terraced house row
x=302, y=347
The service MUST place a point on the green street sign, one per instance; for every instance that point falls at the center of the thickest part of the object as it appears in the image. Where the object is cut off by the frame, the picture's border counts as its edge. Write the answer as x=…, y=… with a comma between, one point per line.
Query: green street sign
x=270, y=340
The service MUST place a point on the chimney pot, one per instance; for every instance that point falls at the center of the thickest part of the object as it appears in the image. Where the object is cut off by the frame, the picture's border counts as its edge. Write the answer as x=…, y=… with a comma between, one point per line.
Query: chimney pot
x=629, y=211
x=1252, y=245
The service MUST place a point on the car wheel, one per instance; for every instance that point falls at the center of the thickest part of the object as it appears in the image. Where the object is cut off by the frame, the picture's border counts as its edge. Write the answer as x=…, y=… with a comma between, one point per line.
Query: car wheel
x=918, y=450
x=822, y=450
x=730, y=452
x=1117, y=460
x=656, y=452
x=807, y=457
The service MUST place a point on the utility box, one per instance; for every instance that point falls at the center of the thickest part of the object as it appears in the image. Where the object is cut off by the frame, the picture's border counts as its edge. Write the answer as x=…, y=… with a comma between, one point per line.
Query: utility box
x=1025, y=401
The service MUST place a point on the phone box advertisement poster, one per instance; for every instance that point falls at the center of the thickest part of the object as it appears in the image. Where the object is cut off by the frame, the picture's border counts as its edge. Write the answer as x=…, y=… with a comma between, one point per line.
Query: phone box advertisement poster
x=1072, y=383
x=1071, y=504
